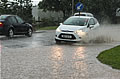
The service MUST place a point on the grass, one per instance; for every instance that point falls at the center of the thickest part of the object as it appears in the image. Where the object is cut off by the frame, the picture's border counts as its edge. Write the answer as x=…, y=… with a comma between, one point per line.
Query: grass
x=48, y=28
x=111, y=57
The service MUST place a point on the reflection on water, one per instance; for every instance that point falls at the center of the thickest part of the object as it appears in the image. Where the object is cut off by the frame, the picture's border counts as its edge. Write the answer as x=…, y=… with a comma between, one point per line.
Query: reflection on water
x=79, y=53
x=59, y=66
x=57, y=53
x=0, y=47
x=0, y=57
x=79, y=65
x=57, y=57
x=80, y=69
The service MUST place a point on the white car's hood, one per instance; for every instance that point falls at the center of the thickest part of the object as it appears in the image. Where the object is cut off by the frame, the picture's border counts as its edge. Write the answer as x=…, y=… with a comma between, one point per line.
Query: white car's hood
x=71, y=27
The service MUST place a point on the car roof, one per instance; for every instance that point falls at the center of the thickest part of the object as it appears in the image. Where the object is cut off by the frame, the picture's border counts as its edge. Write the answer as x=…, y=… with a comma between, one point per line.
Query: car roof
x=7, y=15
x=4, y=17
x=86, y=13
x=81, y=17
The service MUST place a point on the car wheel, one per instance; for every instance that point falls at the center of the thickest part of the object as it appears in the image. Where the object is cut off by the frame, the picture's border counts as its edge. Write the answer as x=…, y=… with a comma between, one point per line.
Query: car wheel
x=29, y=32
x=10, y=33
x=57, y=41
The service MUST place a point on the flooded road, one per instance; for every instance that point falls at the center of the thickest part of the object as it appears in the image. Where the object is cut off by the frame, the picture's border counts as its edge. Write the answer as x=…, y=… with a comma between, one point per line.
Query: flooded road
x=39, y=57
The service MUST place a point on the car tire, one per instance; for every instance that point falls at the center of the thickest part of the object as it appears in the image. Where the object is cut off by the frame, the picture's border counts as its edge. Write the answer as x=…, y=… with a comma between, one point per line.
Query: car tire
x=57, y=41
x=29, y=32
x=10, y=33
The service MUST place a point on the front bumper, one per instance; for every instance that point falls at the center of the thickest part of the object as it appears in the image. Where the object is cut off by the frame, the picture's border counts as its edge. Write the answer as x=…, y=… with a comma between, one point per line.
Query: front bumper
x=70, y=36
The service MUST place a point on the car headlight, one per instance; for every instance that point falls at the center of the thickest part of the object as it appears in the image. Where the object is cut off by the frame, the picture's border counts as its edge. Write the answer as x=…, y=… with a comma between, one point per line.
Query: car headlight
x=80, y=33
x=58, y=30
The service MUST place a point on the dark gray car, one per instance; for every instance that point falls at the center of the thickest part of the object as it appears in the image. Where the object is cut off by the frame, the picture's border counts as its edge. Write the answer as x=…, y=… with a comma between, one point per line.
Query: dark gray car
x=11, y=25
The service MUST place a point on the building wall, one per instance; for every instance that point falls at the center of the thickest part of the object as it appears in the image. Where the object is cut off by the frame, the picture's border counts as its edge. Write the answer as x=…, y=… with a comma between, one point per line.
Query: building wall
x=39, y=14
x=35, y=12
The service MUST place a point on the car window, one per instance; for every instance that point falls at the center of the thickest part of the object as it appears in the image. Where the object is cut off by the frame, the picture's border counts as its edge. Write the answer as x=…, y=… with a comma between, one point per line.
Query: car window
x=3, y=17
x=92, y=22
x=95, y=20
x=80, y=15
x=89, y=15
x=20, y=21
x=76, y=21
x=12, y=20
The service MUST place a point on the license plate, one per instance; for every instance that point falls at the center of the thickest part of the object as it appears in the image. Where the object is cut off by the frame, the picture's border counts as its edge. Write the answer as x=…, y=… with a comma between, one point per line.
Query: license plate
x=66, y=36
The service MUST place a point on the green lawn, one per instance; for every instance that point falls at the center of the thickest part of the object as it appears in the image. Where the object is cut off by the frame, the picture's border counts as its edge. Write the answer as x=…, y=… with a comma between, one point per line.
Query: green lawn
x=48, y=28
x=111, y=57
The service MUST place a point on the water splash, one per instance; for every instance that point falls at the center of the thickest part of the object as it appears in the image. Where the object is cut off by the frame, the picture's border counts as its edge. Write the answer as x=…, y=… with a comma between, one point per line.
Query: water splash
x=103, y=34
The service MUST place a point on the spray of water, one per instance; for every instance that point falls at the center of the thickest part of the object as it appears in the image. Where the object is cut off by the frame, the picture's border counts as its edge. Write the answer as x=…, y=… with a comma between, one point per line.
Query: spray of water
x=103, y=34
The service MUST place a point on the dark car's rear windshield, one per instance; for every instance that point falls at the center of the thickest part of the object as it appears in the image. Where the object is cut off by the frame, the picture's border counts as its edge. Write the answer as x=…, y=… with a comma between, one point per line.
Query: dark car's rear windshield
x=3, y=17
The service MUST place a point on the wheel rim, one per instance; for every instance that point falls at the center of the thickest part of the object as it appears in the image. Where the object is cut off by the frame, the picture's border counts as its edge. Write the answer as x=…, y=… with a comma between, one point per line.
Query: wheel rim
x=30, y=32
x=11, y=33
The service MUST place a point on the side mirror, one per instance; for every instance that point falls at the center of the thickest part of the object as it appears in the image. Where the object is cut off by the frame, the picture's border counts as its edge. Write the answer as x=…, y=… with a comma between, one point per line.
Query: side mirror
x=90, y=26
x=60, y=23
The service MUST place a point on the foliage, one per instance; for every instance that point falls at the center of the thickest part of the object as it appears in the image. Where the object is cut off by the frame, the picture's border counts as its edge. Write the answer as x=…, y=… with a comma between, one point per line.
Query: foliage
x=47, y=22
x=48, y=28
x=22, y=8
x=111, y=57
x=100, y=8
x=56, y=5
x=103, y=8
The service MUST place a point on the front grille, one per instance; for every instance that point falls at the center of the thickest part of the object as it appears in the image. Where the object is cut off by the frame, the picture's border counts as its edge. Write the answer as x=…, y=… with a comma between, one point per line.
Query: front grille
x=66, y=31
x=69, y=35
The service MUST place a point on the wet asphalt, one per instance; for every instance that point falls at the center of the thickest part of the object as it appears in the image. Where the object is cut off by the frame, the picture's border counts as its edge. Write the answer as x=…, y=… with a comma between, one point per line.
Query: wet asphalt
x=39, y=57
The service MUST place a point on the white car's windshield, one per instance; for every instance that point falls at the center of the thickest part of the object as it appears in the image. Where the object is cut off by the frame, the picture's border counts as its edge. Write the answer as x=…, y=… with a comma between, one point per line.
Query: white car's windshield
x=76, y=21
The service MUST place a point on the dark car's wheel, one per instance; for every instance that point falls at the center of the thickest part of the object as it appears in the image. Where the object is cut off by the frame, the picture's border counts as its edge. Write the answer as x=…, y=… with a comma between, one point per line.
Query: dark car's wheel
x=29, y=32
x=10, y=33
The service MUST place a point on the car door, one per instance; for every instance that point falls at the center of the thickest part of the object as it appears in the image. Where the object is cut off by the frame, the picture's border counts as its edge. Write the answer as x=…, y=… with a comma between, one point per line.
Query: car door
x=13, y=22
x=22, y=25
x=96, y=23
x=92, y=23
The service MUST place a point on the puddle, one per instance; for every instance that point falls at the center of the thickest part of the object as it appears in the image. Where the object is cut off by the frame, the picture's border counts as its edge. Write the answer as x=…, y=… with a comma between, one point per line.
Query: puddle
x=16, y=46
x=104, y=34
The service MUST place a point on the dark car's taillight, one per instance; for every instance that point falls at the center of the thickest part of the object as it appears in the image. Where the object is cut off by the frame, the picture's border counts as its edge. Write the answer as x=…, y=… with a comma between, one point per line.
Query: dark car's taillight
x=1, y=24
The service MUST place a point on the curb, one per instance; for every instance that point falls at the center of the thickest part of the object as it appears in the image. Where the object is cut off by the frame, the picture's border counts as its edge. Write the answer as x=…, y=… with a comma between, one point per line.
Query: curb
x=42, y=31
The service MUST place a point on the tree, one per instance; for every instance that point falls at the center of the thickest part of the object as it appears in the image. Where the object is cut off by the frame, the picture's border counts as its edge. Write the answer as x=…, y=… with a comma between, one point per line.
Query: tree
x=57, y=5
x=109, y=7
x=104, y=8
x=22, y=8
x=100, y=8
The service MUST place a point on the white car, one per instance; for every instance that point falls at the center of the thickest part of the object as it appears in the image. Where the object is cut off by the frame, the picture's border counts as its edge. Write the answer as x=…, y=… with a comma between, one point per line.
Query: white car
x=74, y=28
x=84, y=14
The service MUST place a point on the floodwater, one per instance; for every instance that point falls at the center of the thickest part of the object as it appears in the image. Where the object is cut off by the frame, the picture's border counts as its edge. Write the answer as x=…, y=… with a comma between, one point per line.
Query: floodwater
x=39, y=57
x=103, y=34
